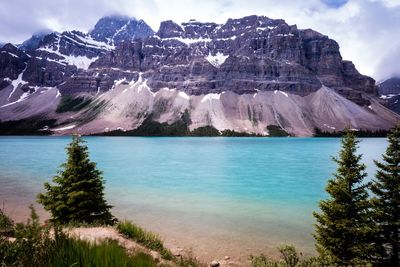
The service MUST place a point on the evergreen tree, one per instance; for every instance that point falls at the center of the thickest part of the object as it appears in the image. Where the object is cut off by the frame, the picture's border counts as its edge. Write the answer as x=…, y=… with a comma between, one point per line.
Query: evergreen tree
x=78, y=191
x=344, y=227
x=386, y=202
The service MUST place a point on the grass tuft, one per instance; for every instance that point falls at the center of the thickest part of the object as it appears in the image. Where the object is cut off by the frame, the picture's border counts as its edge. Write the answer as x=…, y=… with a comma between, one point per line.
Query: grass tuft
x=148, y=239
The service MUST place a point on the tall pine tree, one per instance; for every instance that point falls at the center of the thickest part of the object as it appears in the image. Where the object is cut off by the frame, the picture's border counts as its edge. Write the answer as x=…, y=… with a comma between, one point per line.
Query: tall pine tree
x=386, y=202
x=77, y=194
x=344, y=227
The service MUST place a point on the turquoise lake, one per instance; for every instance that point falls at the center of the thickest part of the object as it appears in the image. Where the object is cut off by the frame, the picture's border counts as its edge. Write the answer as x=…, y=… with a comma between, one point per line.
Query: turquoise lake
x=216, y=195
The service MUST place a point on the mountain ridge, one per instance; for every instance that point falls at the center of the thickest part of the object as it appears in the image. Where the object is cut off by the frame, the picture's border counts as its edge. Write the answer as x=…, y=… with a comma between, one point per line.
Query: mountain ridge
x=253, y=55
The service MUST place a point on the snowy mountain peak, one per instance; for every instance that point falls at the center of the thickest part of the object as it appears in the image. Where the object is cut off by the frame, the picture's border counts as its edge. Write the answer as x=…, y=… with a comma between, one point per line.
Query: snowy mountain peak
x=116, y=29
x=34, y=41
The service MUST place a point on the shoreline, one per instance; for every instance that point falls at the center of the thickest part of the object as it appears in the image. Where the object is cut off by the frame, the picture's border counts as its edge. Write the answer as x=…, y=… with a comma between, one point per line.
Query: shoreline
x=205, y=248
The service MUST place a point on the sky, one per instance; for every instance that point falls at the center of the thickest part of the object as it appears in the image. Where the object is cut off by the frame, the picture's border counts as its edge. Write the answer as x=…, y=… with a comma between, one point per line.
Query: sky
x=368, y=31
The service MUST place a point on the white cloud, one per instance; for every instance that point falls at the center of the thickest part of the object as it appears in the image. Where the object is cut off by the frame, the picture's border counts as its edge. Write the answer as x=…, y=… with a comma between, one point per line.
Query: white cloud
x=366, y=30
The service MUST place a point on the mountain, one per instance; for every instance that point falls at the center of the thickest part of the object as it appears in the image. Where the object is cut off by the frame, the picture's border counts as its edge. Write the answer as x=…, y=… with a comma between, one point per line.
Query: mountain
x=33, y=43
x=2, y=44
x=245, y=75
x=114, y=30
x=389, y=91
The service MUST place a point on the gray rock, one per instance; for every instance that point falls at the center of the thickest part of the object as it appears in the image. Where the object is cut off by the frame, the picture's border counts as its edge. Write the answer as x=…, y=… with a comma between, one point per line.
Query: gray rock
x=117, y=29
x=214, y=263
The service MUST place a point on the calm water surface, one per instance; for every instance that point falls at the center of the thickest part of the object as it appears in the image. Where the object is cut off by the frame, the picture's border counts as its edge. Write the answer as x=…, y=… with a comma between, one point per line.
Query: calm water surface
x=216, y=195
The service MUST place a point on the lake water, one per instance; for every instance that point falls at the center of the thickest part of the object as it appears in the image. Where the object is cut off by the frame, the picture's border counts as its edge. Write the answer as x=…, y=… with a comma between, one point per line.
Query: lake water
x=219, y=196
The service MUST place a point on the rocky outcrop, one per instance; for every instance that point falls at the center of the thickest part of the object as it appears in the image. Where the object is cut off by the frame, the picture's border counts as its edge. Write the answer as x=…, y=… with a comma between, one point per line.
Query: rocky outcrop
x=243, y=55
x=389, y=87
x=54, y=59
x=117, y=29
x=12, y=62
x=389, y=91
x=34, y=42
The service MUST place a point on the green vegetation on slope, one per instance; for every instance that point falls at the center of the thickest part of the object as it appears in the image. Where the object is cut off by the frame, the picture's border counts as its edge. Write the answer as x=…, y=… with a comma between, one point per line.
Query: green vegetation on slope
x=35, y=245
x=149, y=127
x=205, y=131
x=70, y=103
x=148, y=239
x=276, y=131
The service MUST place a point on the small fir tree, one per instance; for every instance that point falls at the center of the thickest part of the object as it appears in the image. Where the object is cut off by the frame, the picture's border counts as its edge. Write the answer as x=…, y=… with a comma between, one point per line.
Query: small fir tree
x=386, y=202
x=78, y=191
x=344, y=227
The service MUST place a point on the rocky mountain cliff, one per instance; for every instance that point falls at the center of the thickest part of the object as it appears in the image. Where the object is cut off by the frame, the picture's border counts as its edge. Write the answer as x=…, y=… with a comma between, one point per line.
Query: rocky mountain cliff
x=243, y=75
x=389, y=91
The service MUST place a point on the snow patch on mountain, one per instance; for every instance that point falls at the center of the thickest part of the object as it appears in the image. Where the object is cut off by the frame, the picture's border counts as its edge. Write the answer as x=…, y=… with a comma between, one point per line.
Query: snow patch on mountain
x=283, y=93
x=188, y=41
x=216, y=60
x=210, y=97
x=17, y=82
x=81, y=62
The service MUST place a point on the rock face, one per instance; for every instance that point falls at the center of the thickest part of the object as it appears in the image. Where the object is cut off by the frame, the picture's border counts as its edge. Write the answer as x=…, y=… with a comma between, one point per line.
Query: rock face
x=33, y=43
x=117, y=29
x=390, y=86
x=240, y=60
x=242, y=55
x=389, y=92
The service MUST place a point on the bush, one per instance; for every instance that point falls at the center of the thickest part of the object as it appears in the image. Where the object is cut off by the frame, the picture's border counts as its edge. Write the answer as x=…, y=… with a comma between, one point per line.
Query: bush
x=6, y=224
x=288, y=258
x=205, y=131
x=276, y=131
x=74, y=252
x=34, y=245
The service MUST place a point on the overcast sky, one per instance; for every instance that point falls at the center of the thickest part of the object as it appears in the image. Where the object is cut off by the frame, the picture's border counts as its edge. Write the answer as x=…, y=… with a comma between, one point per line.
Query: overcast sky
x=368, y=31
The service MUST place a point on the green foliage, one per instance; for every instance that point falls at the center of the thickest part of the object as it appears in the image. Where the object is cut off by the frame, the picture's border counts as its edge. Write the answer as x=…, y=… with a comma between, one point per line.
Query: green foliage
x=74, y=252
x=92, y=111
x=188, y=261
x=6, y=224
x=231, y=133
x=262, y=261
x=360, y=133
x=70, y=103
x=149, y=127
x=205, y=131
x=289, y=255
x=31, y=244
x=78, y=191
x=153, y=128
x=288, y=258
x=276, y=131
x=344, y=228
x=148, y=239
x=31, y=126
x=386, y=201
x=36, y=246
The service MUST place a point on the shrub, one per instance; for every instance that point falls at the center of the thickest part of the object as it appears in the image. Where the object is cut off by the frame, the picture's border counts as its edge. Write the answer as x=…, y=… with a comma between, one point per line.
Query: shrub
x=34, y=245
